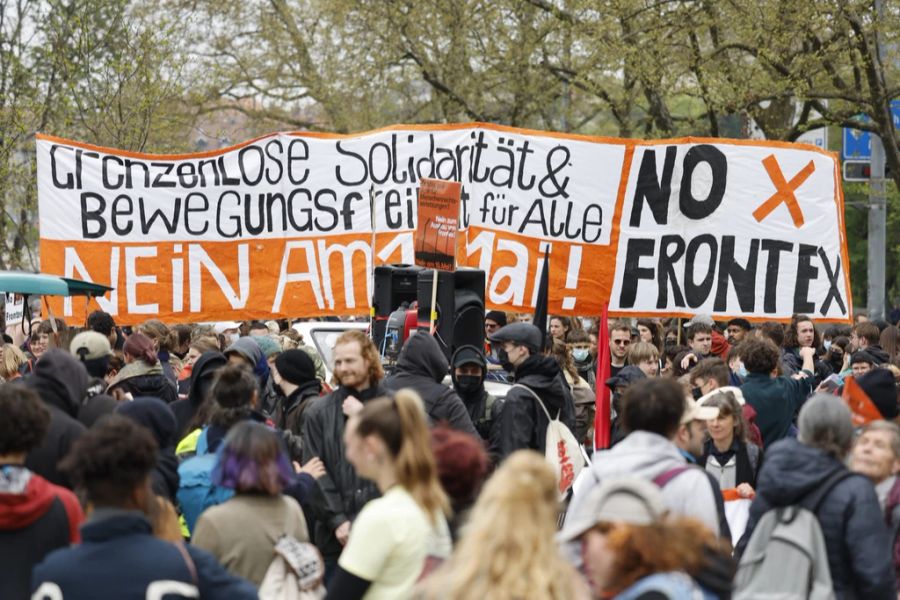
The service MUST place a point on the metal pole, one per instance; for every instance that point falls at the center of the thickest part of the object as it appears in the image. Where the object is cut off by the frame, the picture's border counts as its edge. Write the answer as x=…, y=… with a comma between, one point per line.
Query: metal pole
x=877, y=232
x=877, y=217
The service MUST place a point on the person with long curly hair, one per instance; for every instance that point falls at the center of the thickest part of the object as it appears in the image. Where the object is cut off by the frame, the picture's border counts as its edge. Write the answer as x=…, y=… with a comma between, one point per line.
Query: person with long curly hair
x=507, y=550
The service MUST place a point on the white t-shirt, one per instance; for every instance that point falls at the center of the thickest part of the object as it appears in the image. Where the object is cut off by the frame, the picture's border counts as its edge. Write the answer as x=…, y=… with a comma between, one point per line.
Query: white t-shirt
x=389, y=542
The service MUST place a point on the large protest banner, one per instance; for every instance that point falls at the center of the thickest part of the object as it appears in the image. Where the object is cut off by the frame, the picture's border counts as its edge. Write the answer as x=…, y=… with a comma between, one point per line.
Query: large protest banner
x=281, y=226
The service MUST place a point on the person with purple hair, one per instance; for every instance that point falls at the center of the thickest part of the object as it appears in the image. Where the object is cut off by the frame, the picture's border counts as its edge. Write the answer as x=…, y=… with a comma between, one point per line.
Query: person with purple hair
x=243, y=531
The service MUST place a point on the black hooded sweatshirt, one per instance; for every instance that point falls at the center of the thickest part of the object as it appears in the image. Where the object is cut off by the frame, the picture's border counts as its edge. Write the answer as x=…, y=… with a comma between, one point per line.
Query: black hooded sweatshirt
x=482, y=407
x=156, y=416
x=60, y=381
x=422, y=367
x=201, y=379
x=521, y=423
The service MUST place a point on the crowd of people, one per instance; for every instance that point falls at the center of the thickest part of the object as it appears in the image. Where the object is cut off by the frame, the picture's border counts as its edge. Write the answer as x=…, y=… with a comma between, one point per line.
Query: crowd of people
x=221, y=461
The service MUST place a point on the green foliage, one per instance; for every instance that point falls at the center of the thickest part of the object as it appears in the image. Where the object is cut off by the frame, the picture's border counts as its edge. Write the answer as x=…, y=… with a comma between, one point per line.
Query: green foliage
x=856, y=199
x=141, y=75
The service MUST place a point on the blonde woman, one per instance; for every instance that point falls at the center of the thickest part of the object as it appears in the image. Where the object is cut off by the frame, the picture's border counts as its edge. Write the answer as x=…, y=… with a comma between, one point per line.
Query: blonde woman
x=507, y=550
x=11, y=360
x=396, y=537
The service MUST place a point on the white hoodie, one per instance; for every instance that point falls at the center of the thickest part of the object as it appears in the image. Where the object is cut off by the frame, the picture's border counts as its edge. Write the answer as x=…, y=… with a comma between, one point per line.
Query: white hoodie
x=648, y=455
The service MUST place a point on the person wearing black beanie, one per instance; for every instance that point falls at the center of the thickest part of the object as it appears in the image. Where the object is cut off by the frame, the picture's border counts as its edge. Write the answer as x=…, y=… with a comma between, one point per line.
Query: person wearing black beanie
x=881, y=388
x=295, y=375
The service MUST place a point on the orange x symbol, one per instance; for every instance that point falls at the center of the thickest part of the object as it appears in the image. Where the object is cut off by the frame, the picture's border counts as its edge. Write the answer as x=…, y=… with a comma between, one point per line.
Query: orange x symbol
x=784, y=190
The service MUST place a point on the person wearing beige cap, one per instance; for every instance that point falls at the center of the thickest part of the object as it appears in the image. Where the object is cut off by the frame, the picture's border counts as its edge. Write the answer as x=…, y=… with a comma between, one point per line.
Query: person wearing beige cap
x=632, y=549
x=692, y=431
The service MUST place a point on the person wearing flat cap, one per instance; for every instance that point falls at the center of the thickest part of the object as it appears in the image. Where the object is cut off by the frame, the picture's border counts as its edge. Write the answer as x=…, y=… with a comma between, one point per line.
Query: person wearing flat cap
x=632, y=549
x=521, y=424
x=294, y=373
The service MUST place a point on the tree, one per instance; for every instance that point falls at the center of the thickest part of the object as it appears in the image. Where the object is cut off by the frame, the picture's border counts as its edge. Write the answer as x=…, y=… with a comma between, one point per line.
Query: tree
x=97, y=70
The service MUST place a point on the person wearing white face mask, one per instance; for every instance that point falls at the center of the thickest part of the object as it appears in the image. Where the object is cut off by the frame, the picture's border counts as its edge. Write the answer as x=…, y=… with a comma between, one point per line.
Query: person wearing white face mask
x=230, y=330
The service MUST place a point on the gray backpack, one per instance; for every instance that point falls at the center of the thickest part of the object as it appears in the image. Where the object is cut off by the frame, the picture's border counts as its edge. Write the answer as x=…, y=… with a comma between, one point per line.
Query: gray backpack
x=786, y=558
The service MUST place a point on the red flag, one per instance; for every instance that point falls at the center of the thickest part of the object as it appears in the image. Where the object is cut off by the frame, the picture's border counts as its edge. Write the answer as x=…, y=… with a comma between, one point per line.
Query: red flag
x=601, y=418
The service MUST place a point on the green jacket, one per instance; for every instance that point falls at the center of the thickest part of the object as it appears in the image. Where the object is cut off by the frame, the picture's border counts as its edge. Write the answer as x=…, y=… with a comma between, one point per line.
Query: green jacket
x=776, y=401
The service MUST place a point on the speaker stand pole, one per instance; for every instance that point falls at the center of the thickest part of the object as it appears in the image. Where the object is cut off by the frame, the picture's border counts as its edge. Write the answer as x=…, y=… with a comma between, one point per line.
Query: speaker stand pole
x=434, y=286
x=371, y=274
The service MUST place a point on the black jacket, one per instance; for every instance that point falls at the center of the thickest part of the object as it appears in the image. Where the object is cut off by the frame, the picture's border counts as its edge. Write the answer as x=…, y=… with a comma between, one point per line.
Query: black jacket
x=143, y=379
x=290, y=412
x=422, y=367
x=157, y=417
x=878, y=354
x=340, y=493
x=856, y=538
x=201, y=380
x=61, y=381
x=521, y=422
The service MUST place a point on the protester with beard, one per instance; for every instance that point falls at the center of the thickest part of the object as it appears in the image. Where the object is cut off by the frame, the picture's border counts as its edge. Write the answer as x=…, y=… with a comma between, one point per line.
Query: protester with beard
x=738, y=329
x=422, y=367
x=358, y=371
x=294, y=373
x=580, y=345
x=469, y=370
x=521, y=423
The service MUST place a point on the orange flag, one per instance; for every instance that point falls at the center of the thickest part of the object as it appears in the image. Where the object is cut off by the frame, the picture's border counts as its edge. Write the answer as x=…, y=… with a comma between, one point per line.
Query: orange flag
x=861, y=406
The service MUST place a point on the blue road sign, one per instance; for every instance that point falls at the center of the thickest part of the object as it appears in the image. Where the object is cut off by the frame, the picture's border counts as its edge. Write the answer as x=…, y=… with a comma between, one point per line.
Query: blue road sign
x=858, y=144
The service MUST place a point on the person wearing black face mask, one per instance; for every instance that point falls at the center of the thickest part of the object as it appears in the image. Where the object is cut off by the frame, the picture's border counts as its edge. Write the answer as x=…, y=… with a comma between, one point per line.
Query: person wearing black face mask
x=521, y=423
x=838, y=354
x=469, y=369
x=422, y=367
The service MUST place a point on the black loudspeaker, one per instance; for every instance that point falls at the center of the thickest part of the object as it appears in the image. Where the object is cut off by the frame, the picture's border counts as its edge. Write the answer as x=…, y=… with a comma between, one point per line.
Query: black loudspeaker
x=460, y=307
x=394, y=285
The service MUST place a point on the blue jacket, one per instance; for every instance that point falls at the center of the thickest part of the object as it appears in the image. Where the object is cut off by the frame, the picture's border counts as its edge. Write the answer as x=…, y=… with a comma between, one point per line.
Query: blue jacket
x=776, y=401
x=856, y=538
x=119, y=559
